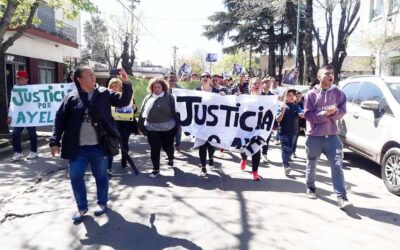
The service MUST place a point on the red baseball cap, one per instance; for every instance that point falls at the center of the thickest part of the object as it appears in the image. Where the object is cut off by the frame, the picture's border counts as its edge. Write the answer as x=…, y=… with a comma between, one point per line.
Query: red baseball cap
x=22, y=74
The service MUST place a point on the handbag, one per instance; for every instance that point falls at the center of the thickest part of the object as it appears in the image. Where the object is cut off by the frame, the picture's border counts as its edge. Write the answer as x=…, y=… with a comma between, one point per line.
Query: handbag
x=109, y=143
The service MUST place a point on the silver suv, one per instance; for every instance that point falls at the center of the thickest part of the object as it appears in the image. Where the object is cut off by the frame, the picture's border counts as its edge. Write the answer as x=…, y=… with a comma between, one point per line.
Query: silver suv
x=371, y=125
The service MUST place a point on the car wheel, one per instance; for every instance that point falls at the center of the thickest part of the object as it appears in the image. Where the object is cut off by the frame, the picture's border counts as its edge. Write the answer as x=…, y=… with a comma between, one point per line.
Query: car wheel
x=391, y=170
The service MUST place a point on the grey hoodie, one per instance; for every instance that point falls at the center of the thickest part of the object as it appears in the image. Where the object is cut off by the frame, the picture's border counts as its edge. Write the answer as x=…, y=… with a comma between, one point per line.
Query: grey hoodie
x=315, y=105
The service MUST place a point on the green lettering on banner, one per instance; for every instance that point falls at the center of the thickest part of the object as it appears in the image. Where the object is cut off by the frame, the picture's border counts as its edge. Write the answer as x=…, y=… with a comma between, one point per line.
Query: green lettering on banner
x=31, y=116
x=42, y=117
x=21, y=118
x=20, y=101
x=49, y=120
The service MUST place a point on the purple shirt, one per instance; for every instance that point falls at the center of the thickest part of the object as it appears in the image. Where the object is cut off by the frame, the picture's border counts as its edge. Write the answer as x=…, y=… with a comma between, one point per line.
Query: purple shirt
x=315, y=105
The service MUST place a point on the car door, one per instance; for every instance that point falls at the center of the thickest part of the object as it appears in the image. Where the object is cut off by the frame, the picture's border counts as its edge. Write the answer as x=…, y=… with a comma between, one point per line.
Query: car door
x=371, y=127
x=347, y=125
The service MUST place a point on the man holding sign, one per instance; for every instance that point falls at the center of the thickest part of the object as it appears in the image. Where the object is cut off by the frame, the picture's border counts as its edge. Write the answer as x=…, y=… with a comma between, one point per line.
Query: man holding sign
x=22, y=79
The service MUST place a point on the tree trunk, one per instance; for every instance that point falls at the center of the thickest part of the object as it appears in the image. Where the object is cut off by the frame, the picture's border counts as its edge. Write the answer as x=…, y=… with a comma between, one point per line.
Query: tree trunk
x=311, y=68
x=301, y=62
x=271, y=52
x=281, y=47
x=3, y=96
x=125, y=57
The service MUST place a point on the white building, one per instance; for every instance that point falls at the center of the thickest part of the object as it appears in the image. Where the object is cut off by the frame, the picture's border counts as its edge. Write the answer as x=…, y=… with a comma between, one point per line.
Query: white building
x=378, y=35
x=42, y=49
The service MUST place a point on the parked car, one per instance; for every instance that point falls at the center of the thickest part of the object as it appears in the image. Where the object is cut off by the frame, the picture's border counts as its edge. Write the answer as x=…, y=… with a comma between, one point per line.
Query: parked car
x=371, y=126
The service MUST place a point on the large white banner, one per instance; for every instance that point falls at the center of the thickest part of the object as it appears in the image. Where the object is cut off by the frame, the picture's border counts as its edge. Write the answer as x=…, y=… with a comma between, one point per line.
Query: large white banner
x=37, y=105
x=237, y=123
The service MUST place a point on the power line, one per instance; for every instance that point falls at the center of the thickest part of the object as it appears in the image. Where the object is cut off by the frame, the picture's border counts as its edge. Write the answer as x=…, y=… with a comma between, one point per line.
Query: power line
x=144, y=26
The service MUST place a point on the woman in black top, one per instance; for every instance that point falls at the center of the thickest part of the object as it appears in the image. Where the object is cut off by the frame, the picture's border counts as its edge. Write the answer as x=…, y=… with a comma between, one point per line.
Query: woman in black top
x=206, y=147
x=254, y=89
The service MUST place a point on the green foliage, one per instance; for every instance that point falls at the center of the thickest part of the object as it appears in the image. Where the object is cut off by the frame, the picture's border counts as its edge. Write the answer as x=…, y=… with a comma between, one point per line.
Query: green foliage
x=96, y=37
x=70, y=9
x=225, y=64
x=190, y=84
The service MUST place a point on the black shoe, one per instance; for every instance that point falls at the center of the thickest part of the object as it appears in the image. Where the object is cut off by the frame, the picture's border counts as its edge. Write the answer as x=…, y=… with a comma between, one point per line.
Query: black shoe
x=154, y=174
x=211, y=162
x=203, y=172
x=344, y=203
x=100, y=210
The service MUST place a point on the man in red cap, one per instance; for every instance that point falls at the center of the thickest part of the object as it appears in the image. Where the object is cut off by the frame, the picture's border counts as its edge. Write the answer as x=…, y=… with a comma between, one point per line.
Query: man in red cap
x=22, y=79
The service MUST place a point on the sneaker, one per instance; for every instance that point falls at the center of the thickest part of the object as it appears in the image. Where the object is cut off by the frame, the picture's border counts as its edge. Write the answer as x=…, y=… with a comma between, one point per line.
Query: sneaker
x=221, y=150
x=203, y=172
x=211, y=162
x=171, y=163
x=278, y=143
x=154, y=174
x=243, y=164
x=344, y=203
x=100, y=210
x=17, y=156
x=294, y=155
x=78, y=215
x=256, y=177
x=287, y=169
x=264, y=158
x=32, y=155
x=311, y=193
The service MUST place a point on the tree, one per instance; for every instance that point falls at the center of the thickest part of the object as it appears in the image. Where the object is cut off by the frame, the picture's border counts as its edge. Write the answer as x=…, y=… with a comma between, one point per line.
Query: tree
x=19, y=16
x=96, y=36
x=348, y=21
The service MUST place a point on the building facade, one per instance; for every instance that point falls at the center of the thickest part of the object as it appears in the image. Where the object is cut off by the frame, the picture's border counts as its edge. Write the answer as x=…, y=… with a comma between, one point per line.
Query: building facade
x=379, y=34
x=42, y=49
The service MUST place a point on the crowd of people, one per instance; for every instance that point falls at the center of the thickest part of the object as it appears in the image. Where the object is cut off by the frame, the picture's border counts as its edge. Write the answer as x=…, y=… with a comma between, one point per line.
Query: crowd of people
x=86, y=126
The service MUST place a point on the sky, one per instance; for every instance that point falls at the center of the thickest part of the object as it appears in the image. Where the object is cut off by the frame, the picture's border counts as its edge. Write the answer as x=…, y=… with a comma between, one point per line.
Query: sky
x=168, y=23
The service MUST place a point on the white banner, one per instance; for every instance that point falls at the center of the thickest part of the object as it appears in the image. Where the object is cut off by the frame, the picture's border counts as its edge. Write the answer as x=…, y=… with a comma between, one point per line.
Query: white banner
x=237, y=123
x=37, y=105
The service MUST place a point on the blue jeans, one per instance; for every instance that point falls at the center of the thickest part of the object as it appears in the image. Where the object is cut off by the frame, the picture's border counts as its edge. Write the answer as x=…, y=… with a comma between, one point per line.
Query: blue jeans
x=98, y=163
x=16, y=138
x=332, y=148
x=287, y=142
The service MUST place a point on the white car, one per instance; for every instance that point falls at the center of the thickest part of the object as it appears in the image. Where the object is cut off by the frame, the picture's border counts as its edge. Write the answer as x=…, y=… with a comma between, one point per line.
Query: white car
x=371, y=125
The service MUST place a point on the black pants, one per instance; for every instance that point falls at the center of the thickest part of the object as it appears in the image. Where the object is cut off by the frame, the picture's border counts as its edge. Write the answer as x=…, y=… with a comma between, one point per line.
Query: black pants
x=255, y=160
x=125, y=130
x=158, y=140
x=266, y=146
x=203, y=153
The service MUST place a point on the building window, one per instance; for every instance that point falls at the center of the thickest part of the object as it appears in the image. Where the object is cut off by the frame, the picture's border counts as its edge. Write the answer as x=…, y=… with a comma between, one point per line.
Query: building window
x=377, y=8
x=396, y=67
x=47, y=71
x=395, y=5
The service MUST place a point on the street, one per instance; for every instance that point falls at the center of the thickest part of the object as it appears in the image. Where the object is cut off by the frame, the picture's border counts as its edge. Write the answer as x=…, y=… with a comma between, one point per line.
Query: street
x=180, y=210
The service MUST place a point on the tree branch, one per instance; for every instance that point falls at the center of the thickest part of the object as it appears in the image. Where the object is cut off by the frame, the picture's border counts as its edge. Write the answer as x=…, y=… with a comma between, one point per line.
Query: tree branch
x=7, y=17
x=10, y=41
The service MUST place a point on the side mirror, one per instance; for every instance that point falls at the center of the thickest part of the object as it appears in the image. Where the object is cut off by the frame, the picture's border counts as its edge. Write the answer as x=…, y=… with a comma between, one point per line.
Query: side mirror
x=371, y=105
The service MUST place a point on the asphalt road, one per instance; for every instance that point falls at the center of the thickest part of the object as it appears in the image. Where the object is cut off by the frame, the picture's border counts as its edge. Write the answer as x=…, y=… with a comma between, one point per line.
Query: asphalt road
x=180, y=210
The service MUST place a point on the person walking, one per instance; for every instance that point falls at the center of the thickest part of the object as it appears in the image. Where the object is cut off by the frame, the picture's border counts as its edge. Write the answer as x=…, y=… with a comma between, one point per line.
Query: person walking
x=81, y=124
x=266, y=90
x=158, y=121
x=125, y=121
x=254, y=89
x=324, y=105
x=288, y=118
x=205, y=79
x=172, y=80
x=22, y=80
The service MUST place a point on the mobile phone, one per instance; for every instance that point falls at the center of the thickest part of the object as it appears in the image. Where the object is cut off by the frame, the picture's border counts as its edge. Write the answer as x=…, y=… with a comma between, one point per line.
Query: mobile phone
x=114, y=72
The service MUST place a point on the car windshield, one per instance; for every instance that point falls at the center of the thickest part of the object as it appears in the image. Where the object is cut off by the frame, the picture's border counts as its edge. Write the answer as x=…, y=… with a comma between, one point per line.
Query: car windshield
x=395, y=89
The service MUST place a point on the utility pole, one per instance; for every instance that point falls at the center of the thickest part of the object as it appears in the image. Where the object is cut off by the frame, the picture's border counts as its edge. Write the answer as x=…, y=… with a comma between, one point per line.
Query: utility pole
x=297, y=34
x=133, y=6
x=175, y=48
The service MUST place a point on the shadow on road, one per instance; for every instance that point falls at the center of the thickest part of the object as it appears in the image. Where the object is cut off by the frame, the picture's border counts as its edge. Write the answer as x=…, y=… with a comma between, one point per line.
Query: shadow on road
x=119, y=233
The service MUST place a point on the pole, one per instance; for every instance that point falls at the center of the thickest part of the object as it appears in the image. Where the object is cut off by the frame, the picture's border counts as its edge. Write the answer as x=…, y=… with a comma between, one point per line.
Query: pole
x=297, y=34
x=175, y=48
x=210, y=68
